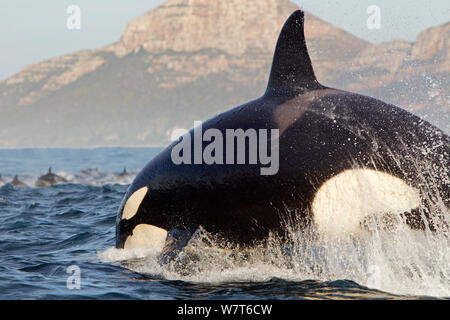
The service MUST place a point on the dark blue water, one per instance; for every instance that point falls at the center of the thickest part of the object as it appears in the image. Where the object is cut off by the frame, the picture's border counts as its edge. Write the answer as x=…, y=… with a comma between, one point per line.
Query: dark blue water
x=44, y=231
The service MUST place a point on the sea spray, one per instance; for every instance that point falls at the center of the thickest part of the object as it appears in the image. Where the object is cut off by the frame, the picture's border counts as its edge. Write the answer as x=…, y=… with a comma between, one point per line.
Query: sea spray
x=400, y=261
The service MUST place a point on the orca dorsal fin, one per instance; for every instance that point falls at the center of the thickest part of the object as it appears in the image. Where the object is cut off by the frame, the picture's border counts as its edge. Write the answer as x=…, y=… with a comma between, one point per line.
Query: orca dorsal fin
x=292, y=72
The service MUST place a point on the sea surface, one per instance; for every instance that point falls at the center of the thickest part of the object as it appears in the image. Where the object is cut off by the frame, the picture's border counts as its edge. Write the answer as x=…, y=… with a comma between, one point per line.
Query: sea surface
x=58, y=243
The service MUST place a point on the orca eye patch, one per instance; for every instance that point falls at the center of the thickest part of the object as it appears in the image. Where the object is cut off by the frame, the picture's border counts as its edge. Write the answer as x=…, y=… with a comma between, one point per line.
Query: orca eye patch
x=133, y=203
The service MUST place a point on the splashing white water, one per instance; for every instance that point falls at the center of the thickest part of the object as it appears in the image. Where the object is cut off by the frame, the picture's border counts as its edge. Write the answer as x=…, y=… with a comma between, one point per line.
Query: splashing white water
x=400, y=261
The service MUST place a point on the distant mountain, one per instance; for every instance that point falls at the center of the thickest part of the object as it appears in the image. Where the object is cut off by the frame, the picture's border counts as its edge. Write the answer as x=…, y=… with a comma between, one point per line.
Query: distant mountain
x=188, y=60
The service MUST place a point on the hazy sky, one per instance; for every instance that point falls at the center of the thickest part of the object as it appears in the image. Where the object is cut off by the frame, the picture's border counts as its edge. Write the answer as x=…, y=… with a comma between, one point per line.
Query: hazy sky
x=34, y=30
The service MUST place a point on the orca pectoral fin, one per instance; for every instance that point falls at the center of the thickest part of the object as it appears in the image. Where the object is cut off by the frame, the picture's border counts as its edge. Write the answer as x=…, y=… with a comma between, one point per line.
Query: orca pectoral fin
x=176, y=240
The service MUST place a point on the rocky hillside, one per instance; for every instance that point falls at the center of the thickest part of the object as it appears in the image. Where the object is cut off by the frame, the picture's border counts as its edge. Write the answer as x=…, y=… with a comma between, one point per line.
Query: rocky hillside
x=191, y=59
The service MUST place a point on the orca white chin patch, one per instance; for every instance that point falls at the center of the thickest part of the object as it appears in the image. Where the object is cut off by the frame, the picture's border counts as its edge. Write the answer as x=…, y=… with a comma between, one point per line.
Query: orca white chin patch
x=345, y=201
x=132, y=205
x=146, y=236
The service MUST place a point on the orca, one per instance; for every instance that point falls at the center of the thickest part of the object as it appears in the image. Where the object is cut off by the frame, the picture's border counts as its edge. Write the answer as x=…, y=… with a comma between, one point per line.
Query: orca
x=343, y=159
x=49, y=179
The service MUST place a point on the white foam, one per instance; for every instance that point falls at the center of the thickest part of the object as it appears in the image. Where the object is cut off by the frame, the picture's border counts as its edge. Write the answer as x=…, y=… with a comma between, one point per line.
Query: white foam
x=400, y=261
x=113, y=254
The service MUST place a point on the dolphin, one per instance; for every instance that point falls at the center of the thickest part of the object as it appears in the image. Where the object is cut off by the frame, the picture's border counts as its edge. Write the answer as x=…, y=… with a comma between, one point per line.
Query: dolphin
x=17, y=183
x=124, y=174
x=49, y=179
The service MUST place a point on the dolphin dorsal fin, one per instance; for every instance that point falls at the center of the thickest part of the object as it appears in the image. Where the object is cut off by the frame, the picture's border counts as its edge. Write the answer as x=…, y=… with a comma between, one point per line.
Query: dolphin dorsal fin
x=292, y=72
